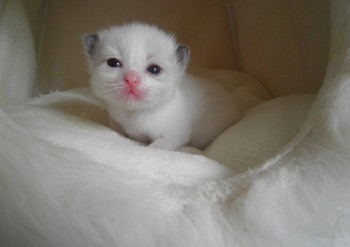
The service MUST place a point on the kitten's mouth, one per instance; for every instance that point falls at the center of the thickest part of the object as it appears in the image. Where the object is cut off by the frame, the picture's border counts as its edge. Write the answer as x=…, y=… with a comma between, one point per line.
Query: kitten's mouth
x=132, y=94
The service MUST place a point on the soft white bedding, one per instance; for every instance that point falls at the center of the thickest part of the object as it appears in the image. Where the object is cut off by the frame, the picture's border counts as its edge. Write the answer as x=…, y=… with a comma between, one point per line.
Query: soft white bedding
x=71, y=181
x=76, y=119
x=96, y=180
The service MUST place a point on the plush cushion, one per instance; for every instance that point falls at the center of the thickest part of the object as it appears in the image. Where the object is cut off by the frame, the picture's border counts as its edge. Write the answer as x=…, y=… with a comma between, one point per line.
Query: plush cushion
x=261, y=133
x=17, y=55
x=79, y=111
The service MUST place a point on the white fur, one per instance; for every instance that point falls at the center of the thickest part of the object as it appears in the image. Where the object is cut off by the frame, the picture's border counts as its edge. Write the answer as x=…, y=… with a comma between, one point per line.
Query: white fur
x=177, y=109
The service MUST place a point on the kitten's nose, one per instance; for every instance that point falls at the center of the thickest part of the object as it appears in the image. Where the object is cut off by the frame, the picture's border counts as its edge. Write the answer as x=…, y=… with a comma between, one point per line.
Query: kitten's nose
x=132, y=78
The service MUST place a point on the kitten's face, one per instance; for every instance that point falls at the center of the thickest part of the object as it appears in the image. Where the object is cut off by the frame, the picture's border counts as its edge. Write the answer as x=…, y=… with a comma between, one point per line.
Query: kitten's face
x=135, y=66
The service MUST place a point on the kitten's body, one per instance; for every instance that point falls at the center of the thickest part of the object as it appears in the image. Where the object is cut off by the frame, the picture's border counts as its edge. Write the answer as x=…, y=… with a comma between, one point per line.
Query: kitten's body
x=168, y=109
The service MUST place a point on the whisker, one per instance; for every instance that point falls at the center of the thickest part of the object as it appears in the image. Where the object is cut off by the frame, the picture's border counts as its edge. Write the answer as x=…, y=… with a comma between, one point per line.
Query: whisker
x=108, y=90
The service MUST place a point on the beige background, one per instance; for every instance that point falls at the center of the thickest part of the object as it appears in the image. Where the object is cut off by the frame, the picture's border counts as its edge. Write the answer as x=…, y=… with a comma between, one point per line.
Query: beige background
x=282, y=43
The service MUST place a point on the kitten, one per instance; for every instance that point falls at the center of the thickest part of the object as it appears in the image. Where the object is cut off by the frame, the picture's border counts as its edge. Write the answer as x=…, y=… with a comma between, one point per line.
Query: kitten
x=139, y=72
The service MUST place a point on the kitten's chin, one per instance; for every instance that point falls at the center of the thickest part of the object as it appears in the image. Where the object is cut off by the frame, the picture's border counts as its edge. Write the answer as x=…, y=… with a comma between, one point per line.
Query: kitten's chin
x=131, y=100
x=132, y=103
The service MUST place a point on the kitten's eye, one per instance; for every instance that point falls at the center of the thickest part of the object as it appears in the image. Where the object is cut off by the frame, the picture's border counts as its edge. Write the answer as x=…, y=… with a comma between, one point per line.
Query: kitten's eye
x=154, y=69
x=114, y=63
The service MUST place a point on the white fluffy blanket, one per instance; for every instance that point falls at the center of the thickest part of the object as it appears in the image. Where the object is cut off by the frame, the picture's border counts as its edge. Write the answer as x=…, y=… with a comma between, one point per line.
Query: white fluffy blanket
x=65, y=180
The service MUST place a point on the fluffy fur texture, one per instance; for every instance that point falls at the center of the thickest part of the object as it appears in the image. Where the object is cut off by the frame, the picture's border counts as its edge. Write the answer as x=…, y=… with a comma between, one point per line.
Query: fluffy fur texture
x=53, y=194
x=165, y=108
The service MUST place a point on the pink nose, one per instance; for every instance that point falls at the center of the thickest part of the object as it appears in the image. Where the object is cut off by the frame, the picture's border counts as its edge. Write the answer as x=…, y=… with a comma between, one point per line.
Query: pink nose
x=132, y=78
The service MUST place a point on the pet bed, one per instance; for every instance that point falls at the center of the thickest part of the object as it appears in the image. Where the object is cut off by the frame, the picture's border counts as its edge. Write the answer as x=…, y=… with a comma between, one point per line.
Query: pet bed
x=278, y=177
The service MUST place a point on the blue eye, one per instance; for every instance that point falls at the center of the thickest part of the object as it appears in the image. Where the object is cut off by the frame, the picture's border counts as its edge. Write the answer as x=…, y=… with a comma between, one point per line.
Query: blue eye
x=114, y=63
x=154, y=69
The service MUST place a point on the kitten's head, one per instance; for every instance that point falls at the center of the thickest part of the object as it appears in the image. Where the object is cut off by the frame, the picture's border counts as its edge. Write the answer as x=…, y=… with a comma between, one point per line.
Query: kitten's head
x=135, y=66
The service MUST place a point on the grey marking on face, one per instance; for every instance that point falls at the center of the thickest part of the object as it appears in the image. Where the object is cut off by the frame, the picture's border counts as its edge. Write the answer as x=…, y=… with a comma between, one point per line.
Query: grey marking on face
x=182, y=54
x=90, y=43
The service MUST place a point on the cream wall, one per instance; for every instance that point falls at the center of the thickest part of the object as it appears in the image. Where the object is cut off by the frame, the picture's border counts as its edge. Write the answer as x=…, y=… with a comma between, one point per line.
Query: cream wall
x=202, y=25
x=35, y=10
x=282, y=43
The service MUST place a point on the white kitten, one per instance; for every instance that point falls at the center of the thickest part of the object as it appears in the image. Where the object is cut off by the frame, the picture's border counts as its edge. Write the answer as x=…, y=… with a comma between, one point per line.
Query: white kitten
x=139, y=72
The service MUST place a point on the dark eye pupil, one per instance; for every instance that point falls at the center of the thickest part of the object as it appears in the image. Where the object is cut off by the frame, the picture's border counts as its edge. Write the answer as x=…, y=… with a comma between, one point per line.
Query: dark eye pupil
x=113, y=62
x=154, y=69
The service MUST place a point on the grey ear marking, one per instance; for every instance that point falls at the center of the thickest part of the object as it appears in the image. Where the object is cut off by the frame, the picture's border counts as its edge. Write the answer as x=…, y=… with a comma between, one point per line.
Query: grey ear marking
x=182, y=54
x=90, y=44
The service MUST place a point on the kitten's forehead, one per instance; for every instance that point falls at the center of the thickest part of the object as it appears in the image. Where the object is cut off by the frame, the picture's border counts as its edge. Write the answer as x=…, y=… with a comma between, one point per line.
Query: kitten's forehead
x=138, y=40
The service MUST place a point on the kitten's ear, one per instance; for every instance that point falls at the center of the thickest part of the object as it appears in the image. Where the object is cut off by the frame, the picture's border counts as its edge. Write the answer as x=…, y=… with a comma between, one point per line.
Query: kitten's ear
x=90, y=44
x=183, y=55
